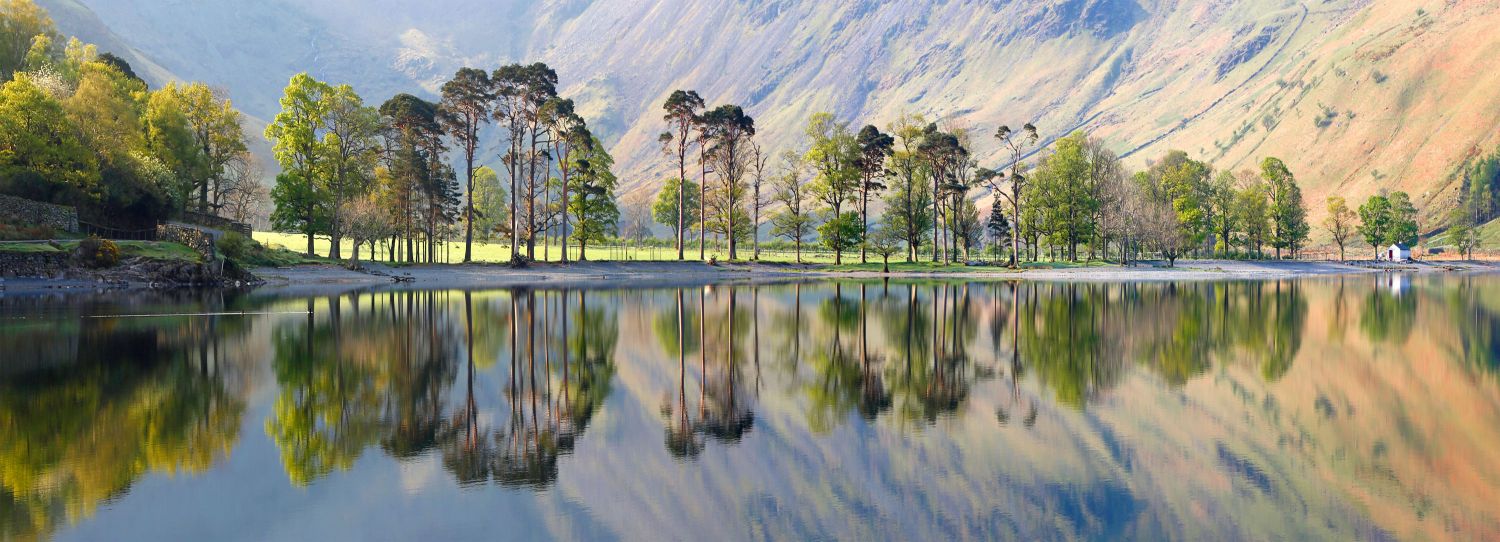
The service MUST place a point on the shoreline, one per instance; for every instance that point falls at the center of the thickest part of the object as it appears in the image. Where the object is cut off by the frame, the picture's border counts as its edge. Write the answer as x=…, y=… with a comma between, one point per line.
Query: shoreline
x=605, y=274
x=611, y=273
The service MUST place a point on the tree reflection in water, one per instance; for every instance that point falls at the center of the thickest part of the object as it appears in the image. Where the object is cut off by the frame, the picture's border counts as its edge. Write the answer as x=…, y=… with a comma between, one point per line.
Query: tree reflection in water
x=383, y=374
x=1158, y=410
x=722, y=411
x=90, y=405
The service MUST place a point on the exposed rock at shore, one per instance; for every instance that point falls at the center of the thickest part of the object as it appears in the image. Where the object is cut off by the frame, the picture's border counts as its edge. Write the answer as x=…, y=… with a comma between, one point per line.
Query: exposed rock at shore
x=136, y=271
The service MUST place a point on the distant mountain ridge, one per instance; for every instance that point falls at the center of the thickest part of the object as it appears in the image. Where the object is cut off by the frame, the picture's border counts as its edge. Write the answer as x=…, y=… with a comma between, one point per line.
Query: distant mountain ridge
x=1357, y=96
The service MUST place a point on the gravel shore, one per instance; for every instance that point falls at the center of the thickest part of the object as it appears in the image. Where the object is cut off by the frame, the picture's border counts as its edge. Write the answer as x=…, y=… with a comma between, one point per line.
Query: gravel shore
x=596, y=274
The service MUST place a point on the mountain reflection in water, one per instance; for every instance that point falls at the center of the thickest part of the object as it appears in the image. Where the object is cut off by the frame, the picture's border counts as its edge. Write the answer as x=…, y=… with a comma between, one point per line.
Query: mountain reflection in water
x=1326, y=409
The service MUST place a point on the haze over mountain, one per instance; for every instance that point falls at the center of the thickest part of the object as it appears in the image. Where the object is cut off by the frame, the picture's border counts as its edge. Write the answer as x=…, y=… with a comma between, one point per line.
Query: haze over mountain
x=1355, y=95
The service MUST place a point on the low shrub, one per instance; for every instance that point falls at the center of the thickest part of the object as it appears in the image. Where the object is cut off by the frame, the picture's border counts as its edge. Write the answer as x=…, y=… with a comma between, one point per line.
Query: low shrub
x=237, y=247
x=98, y=253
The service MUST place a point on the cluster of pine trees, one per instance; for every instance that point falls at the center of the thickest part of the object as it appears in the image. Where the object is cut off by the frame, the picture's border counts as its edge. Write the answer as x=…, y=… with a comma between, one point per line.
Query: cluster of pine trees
x=381, y=177
x=80, y=128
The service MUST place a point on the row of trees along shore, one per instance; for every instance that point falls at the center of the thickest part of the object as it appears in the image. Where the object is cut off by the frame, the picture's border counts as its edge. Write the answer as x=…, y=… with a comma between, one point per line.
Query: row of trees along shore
x=81, y=128
x=1078, y=194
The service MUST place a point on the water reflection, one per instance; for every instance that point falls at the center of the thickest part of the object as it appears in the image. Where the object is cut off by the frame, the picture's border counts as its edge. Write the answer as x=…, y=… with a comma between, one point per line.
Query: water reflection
x=88, y=406
x=1293, y=409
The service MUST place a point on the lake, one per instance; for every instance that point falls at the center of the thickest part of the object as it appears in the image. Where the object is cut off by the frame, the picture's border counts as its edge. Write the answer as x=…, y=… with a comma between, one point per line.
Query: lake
x=1363, y=407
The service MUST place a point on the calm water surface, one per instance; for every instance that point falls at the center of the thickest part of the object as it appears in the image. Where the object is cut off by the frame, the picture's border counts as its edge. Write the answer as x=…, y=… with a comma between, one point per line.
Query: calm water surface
x=1356, y=408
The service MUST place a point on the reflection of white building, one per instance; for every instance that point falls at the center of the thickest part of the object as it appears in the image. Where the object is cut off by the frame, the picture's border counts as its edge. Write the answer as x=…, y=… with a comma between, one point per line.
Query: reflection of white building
x=1398, y=283
x=1396, y=253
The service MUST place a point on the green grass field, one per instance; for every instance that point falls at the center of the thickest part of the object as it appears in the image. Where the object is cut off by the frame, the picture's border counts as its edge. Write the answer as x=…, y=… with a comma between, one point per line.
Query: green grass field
x=159, y=250
x=500, y=253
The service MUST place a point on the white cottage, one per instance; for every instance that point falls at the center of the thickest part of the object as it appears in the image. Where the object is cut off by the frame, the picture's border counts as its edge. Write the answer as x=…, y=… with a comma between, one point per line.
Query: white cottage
x=1397, y=253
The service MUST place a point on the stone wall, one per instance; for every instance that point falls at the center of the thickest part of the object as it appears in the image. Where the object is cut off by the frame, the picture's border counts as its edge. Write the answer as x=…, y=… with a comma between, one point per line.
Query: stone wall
x=20, y=211
x=216, y=222
x=33, y=264
x=195, y=238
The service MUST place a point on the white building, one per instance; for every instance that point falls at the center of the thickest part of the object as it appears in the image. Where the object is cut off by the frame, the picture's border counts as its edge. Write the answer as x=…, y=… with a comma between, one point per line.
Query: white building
x=1397, y=253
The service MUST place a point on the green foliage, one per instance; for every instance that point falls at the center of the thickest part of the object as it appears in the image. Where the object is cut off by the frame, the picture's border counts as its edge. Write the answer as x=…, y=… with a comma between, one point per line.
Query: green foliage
x=1463, y=230
x=1253, y=215
x=491, y=217
x=834, y=155
x=1340, y=222
x=999, y=229
x=21, y=22
x=98, y=253
x=841, y=233
x=1403, y=225
x=81, y=128
x=664, y=208
x=38, y=142
x=235, y=246
x=300, y=207
x=592, y=199
x=1289, y=227
x=1375, y=221
x=1062, y=192
x=885, y=241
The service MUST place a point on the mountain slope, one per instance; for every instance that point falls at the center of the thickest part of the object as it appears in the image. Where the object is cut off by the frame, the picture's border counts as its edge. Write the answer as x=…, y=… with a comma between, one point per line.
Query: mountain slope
x=1356, y=95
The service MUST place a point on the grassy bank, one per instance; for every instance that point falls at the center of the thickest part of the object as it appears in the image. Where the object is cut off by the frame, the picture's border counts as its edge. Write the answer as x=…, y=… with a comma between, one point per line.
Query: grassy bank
x=157, y=250
x=452, y=252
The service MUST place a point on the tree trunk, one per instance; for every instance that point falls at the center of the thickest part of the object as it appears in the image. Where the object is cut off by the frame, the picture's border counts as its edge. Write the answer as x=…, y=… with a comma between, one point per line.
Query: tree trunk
x=469, y=210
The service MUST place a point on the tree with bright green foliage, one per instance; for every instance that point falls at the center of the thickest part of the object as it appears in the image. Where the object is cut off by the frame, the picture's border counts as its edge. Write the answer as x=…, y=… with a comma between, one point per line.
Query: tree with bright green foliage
x=1375, y=222
x=1223, y=220
x=1253, y=216
x=909, y=202
x=81, y=128
x=1463, y=230
x=672, y=198
x=22, y=22
x=296, y=135
x=833, y=155
x=36, y=137
x=1289, y=227
x=489, y=204
x=841, y=233
x=1064, y=195
x=593, y=197
x=1340, y=222
x=1403, y=226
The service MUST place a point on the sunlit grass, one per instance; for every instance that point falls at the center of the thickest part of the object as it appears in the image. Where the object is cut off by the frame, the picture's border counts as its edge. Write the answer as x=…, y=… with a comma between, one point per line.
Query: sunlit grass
x=157, y=250
x=485, y=252
x=499, y=253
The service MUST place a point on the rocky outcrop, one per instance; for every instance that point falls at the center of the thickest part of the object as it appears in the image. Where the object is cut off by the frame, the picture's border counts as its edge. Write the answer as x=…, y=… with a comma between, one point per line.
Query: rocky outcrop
x=34, y=264
x=135, y=271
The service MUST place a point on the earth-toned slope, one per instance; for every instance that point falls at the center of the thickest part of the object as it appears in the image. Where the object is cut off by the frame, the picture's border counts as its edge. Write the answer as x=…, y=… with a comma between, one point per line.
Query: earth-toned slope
x=78, y=20
x=1357, y=96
